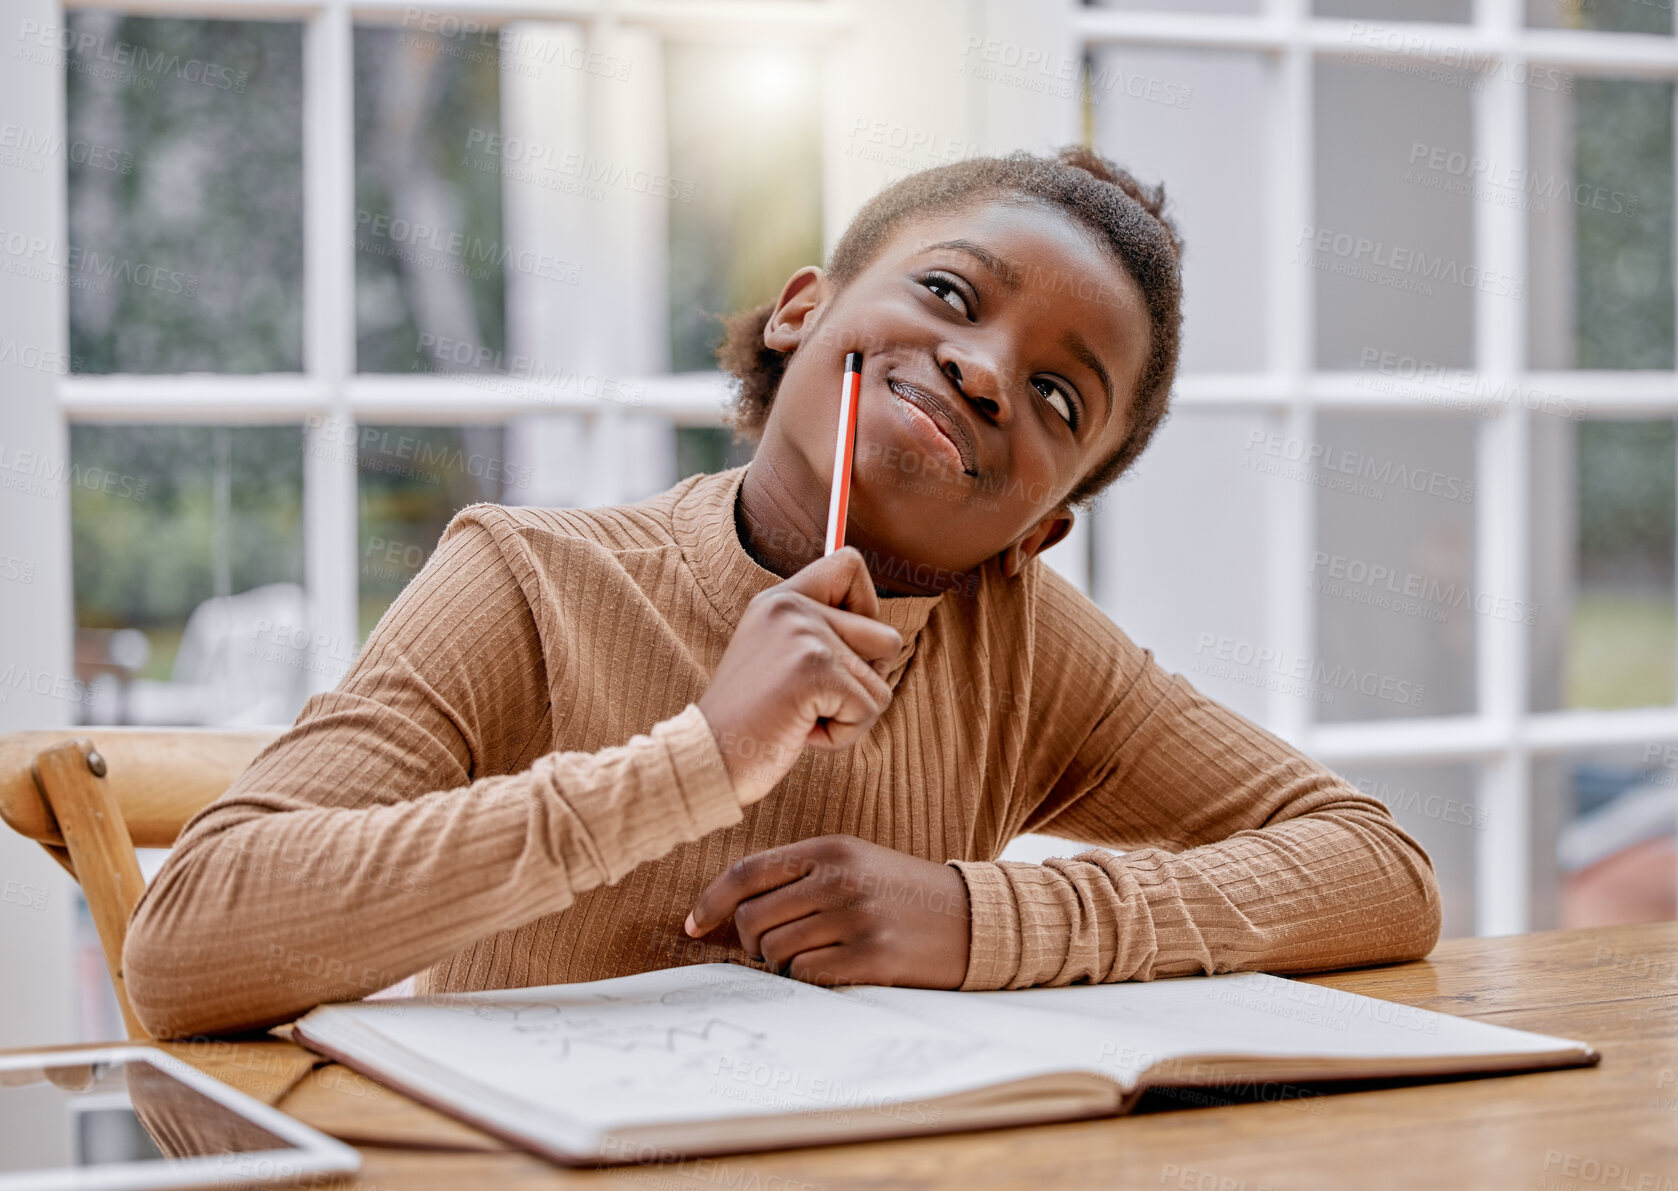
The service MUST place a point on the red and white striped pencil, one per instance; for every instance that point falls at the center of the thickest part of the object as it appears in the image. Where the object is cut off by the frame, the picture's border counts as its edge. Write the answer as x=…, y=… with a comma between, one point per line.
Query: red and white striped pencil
x=839, y=500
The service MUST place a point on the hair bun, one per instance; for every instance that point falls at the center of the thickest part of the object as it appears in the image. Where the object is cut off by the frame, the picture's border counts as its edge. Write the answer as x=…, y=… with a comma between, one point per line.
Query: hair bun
x=1151, y=198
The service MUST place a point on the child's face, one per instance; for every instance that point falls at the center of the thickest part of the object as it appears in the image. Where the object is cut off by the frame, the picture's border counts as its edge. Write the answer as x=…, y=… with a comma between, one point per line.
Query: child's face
x=1015, y=327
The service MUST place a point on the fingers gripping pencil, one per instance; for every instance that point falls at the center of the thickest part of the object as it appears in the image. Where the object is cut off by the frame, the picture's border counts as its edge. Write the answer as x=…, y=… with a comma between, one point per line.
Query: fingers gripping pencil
x=840, y=499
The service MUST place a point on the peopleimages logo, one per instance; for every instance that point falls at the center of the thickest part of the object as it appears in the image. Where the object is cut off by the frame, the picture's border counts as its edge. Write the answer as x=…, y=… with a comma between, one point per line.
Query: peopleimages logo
x=1455, y=166
x=508, y=48
x=380, y=449
x=1262, y=665
x=1398, y=266
x=1458, y=388
x=121, y=61
x=532, y=161
x=1409, y=585
x=1033, y=68
x=1414, y=51
x=85, y=268
x=36, y=474
x=1401, y=800
x=1321, y=459
x=453, y=252
x=29, y=149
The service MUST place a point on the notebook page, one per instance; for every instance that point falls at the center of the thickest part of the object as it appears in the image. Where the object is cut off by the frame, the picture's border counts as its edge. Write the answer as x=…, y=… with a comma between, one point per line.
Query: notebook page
x=680, y=1044
x=1122, y=1029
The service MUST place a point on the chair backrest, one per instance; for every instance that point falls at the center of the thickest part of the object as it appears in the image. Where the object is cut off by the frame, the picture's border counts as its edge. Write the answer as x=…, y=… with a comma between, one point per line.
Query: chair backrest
x=90, y=796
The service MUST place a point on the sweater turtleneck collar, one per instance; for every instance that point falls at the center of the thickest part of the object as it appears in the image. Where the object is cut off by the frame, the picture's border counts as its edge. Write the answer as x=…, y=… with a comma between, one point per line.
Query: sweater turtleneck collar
x=704, y=526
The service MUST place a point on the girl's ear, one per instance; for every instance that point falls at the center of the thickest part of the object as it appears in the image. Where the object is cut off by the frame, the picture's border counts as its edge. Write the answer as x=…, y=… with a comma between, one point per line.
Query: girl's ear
x=789, y=319
x=1046, y=533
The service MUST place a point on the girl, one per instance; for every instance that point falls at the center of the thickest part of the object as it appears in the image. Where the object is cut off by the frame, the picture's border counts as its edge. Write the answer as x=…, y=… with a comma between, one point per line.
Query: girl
x=587, y=743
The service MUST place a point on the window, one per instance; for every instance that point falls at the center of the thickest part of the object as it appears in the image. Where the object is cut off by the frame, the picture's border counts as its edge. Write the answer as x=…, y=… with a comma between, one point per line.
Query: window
x=1449, y=445
x=400, y=266
x=324, y=273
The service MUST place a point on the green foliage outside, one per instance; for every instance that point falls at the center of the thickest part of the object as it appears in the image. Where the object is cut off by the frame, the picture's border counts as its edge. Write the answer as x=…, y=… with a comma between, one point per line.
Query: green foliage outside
x=416, y=107
x=1624, y=633
x=1625, y=297
x=1627, y=503
x=147, y=551
x=410, y=481
x=1608, y=16
x=1622, y=650
x=198, y=228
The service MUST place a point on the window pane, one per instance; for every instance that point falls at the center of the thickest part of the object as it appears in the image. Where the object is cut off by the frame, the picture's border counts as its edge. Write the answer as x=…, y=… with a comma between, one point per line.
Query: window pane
x=1393, y=569
x=410, y=481
x=708, y=449
x=744, y=127
x=1436, y=804
x=1613, y=16
x=1204, y=611
x=1605, y=489
x=1392, y=248
x=185, y=175
x=1196, y=121
x=187, y=544
x=1611, y=854
x=1599, y=192
x=1395, y=10
x=574, y=460
x=429, y=259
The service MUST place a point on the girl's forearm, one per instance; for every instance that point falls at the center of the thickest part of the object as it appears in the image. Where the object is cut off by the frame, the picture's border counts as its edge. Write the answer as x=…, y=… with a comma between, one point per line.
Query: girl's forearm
x=269, y=906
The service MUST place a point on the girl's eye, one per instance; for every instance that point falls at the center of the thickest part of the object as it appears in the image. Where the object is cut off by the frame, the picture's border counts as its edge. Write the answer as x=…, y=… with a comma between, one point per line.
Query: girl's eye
x=1057, y=399
x=948, y=292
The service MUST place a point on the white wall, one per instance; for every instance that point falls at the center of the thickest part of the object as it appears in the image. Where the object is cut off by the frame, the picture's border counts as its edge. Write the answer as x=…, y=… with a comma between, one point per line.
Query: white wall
x=36, y=997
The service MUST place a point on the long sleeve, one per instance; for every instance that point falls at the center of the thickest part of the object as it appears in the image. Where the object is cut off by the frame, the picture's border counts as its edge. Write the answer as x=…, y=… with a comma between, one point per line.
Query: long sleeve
x=1240, y=852
x=410, y=812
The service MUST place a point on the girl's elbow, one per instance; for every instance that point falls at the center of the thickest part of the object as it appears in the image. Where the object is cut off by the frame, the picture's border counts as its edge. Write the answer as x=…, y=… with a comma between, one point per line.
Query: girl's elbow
x=1427, y=919
x=152, y=980
x=1421, y=911
x=171, y=984
x=147, y=980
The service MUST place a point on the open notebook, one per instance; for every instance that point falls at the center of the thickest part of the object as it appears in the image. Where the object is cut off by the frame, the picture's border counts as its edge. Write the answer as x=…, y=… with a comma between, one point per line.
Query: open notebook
x=718, y=1058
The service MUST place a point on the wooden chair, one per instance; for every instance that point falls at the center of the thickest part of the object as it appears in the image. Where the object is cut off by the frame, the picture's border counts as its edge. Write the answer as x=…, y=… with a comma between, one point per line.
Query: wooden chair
x=91, y=796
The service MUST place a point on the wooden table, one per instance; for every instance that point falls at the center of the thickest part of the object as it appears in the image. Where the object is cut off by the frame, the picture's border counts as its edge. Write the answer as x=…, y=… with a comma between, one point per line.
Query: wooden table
x=1609, y=1128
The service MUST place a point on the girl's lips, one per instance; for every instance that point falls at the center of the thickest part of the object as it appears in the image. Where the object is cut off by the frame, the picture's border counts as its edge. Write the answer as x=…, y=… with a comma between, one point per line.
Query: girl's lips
x=927, y=420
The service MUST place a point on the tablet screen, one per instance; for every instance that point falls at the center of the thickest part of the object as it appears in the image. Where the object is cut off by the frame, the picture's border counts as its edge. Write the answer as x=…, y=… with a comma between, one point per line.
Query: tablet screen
x=98, y=1113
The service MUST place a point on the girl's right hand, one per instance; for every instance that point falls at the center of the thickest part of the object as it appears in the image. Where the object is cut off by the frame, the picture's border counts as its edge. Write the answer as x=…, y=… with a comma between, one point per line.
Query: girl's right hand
x=804, y=667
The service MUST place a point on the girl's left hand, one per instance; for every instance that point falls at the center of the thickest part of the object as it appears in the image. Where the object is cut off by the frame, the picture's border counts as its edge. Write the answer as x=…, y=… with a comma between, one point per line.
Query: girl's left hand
x=840, y=910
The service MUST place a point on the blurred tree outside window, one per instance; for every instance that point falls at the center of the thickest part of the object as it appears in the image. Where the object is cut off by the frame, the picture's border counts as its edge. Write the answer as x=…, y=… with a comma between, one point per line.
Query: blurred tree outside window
x=1615, y=855
x=708, y=449
x=429, y=258
x=188, y=543
x=1622, y=644
x=744, y=123
x=1624, y=634
x=1605, y=16
x=186, y=212
x=410, y=481
x=430, y=287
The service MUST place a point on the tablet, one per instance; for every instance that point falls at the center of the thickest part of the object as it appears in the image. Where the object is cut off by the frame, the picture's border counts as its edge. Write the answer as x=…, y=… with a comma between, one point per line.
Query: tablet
x=127, y=1118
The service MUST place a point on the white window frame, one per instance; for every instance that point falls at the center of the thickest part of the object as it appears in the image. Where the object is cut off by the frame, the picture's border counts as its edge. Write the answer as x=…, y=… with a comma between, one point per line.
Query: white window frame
x=1501, y=737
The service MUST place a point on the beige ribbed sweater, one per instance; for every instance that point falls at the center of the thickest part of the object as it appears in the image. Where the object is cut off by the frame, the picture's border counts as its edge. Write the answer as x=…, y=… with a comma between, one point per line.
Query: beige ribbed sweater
x=513, y=786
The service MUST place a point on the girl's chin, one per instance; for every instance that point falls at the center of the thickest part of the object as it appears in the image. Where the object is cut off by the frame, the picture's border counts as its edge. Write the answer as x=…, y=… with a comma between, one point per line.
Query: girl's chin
x=910, y=480
x=905, y=524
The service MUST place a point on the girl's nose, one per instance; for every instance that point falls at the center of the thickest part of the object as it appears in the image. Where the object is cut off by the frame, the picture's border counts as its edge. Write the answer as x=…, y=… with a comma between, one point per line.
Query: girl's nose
x=979, y=385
